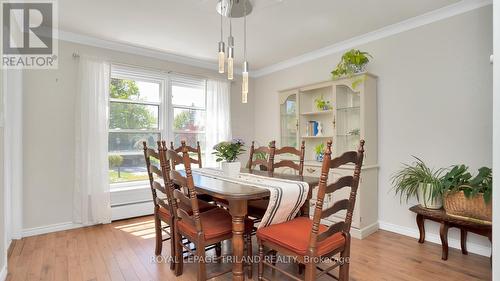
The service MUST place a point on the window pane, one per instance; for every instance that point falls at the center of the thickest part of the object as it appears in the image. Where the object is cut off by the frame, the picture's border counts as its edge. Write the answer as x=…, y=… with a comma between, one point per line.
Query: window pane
x=134, y=90
x=188, y=96
x=190, y=139
x=126, y=158
x=127, y=168
x=189, y=120
x=133, y=116
x=130, y=142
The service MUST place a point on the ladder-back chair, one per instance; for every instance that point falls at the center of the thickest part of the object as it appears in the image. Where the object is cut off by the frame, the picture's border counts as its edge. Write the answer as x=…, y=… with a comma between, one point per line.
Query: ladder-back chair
x=307, y=239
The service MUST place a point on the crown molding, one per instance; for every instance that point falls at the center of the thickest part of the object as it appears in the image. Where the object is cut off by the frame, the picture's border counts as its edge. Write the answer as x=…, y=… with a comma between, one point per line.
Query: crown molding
x=427, y=18
x=133, y=49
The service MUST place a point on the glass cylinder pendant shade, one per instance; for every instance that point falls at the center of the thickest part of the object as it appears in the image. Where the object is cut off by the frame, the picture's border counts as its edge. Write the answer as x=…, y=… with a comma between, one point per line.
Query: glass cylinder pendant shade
x=230, y=63
x=222, y=57
x=244, y=83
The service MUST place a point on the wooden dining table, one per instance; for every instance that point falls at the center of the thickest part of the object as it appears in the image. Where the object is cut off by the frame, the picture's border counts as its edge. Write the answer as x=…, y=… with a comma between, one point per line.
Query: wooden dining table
x=238, y=196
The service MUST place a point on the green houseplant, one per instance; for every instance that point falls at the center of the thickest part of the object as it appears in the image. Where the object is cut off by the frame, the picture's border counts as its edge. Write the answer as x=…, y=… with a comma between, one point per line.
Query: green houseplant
x=352, y=62
x=468, y=196
x=322, y=104
x=420, y=181
x=319, y=150
x=227, y=152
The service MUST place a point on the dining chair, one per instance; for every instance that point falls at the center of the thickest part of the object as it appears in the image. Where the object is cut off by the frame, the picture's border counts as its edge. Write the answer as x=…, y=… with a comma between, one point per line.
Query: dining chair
x=196, y=150
x=307, y=239
x=257, y=208
x=264, y=164
x=200, y=228
x=162, y=191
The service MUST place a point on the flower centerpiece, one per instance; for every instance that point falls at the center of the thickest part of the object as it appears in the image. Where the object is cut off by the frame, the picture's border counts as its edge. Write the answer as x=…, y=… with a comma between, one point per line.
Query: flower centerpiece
x=227, y=152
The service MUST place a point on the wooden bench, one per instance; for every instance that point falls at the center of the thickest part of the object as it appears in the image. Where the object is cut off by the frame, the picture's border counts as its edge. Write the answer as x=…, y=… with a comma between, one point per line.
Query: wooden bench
x=447, y=222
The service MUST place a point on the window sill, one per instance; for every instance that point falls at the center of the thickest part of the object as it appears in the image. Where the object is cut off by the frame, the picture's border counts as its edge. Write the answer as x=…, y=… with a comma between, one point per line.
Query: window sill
x=118, y=187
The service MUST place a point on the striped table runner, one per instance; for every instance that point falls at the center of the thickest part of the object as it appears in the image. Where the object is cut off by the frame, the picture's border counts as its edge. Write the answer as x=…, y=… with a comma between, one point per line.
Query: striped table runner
x=286, y=196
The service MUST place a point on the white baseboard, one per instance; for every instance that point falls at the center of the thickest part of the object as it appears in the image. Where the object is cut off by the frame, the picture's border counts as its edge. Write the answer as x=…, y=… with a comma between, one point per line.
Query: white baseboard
x=365, y=231
x=3, y=273
x=434, y=238
x=49, y=228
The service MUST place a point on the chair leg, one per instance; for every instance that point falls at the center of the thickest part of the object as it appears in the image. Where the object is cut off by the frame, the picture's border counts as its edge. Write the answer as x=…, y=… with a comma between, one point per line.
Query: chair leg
x=344, y=266
x=172, y=246
x=301, y=268
x=179, y=259
x=261, y=261
x=310, y=271
x=158, y=232
x=248, y=243
x=218, y=250
x=202, y=270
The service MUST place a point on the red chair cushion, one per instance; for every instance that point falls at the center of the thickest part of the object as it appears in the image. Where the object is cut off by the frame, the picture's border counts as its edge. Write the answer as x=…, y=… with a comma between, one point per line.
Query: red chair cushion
x=215, y=223
x=294, y=235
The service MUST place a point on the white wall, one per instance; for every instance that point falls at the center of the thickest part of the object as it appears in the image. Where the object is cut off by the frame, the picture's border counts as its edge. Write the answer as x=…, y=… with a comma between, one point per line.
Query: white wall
x=434, y=89
x=3, y=249
x=48, y=112
x=496, y=140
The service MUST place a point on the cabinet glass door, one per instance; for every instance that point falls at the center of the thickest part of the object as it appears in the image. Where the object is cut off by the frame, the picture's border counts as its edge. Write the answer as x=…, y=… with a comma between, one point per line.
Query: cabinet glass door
x=347, y=119
x=288, y=116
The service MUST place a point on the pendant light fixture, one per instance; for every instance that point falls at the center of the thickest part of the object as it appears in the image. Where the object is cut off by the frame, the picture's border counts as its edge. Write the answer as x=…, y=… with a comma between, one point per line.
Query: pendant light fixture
x=234, y=9
x=244, y=74
x=222, y=47
x=230, y=51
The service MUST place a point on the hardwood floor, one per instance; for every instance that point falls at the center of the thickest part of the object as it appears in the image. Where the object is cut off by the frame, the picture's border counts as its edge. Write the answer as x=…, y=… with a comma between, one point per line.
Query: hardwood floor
x=124, y=250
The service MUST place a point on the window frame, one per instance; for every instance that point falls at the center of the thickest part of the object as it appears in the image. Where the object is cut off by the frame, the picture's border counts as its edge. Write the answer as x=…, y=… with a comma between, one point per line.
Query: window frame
x=143, y=75
x=173, y=106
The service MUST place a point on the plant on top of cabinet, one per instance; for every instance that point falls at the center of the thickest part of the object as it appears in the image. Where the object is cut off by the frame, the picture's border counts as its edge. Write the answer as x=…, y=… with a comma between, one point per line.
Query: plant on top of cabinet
x=418, y=180
x=322, y=104
x=353, y=62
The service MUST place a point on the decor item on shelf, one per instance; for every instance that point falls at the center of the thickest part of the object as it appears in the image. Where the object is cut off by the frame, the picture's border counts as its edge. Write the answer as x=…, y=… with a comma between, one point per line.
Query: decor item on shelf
x=418, y=180
x=320, y=152
x=322, y=104
x=227, y=152
x=234, y=9
x=353, y=62
x=466, y=196
x=312, y=128
x=320, y=130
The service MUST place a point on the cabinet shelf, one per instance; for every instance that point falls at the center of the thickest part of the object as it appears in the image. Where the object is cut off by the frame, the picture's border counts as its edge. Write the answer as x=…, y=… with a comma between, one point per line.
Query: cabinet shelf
x=312, y=113
x=317, y=137
x=349, y=108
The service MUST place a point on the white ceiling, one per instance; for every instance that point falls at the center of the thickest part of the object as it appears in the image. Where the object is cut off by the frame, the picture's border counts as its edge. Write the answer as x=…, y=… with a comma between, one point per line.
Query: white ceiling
x=277, y=29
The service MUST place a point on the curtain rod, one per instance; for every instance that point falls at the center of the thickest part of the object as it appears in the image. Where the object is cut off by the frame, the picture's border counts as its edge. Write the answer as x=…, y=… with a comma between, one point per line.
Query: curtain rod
x=77, y=55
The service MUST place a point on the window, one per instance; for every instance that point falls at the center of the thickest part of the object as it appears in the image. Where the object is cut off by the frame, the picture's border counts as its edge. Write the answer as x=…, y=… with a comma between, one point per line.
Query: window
x=136, y=114
x=188, y=110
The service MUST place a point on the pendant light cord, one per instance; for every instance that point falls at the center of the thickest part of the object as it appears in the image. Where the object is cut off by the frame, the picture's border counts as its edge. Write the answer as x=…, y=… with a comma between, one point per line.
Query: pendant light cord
x=221, y=11
x=245, y=30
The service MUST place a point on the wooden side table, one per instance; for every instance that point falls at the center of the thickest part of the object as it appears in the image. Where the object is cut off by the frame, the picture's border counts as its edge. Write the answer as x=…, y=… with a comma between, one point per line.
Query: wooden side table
x=447, y=222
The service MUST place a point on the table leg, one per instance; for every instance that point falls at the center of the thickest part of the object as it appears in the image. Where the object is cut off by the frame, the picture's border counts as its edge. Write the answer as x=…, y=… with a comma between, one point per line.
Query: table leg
x=238, y=210
x=463, y=241
x=421, y=228
x=444, y=240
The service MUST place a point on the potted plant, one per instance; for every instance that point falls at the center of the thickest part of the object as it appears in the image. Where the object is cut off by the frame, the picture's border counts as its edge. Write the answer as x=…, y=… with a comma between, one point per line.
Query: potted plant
x=418, y=180
x=320, y=151
x=467, y=196
x=227, y=152
x=322, y=104
x=353, y=62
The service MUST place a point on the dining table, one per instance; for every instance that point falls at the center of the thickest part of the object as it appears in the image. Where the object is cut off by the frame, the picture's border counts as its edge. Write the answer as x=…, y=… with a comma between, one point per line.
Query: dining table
x=238, y=195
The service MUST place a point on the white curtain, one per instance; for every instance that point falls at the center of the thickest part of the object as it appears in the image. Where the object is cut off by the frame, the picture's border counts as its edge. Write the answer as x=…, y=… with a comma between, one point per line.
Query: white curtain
x=218, y=124
x=91, y=194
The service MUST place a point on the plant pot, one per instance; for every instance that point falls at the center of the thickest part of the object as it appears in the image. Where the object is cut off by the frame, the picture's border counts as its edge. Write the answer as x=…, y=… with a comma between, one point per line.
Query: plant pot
x=424, y=198
x=456, y=204
x=231, y=169
x=319, y=157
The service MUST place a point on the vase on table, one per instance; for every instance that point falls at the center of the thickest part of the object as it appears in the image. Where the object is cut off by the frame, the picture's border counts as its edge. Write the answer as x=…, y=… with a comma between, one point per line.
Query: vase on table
x=231, y=169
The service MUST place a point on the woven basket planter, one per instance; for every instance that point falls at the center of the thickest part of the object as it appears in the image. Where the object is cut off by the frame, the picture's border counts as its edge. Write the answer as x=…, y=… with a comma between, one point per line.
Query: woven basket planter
x=456, y=204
